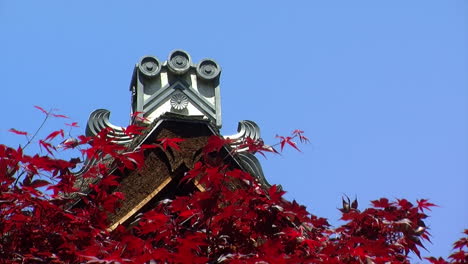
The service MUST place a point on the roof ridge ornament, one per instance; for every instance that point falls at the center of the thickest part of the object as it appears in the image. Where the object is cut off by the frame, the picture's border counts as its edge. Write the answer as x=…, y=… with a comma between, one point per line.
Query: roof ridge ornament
x=99, y=120
x=155, y=85
x=248, y=129
x=175, y=85
x=178, y=87
x=245, y=129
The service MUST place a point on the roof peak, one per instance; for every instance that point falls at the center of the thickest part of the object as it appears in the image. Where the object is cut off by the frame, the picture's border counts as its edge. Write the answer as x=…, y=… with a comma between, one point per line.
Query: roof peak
x=176, y=85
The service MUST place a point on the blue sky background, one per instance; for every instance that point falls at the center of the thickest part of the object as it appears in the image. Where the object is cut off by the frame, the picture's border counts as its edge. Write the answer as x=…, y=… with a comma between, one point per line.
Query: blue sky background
x=380, y=87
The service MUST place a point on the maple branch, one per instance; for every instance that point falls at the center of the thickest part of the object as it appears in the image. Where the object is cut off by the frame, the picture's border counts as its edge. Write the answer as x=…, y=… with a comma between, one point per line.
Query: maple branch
x=37, y=131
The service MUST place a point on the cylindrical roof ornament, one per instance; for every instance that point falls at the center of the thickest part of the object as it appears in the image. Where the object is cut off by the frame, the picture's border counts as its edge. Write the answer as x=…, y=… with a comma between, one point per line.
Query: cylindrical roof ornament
x=149, y=66
x=179, y=62
x=208, y=69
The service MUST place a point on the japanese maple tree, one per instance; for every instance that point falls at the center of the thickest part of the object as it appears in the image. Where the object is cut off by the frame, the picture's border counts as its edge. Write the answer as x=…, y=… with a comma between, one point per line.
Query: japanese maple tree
x=234, y=220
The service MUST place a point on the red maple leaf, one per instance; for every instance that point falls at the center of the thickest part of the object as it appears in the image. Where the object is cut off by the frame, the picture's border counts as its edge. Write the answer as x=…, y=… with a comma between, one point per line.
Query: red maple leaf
x=424, y=204
x=54, y=134
x=300, y=134
x=287, y=140
x=382, y=203
x=41, y=109
x=47, y=146
x=215, y=143
x=12, y=130
x=133, y=130
x=139, y=116
x=39, y=183
x=170, y=142
x=73, y=124
x=59, y=116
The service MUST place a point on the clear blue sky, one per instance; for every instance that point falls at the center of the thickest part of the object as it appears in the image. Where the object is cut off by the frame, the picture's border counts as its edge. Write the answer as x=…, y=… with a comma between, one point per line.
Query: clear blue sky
x=380, y=87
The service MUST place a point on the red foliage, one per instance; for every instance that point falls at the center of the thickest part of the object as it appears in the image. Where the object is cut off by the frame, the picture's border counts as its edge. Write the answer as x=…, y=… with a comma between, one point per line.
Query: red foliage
x=170, y=142
x=236, y=220
x=12, y=130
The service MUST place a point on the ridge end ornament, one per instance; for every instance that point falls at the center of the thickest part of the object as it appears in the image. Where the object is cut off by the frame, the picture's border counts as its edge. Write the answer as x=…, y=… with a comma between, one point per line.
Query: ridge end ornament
x=245, y=129
x=176, y=85
x=99, y=120
x=248, y=129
